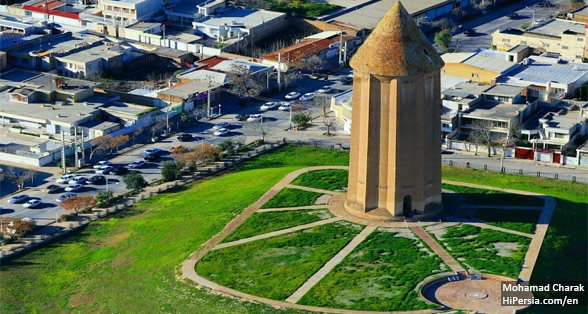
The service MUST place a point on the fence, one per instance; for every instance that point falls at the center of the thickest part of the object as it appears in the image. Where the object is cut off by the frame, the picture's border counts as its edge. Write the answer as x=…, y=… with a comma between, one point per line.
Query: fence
x=530, y=173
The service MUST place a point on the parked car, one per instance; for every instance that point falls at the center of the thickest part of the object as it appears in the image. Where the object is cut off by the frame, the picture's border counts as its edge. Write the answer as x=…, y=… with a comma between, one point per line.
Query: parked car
x=346, y=80
x=77, y=180
x=65, y=179
x=32, y=203
x=308, y=96
x=255, y=118
x=18, y=198
x=222, y=132
x=184, y=137
x=119, y=171
x=241, y=117
x=469, y=32
x=51, y=188
x=222, y=125
x=153, y=150
x=104, y=170
x=102, y=164
x=150, y=157
x=97, y=179
x=513, y=16
x=285, y=106
x=325, y=89
x=319, y=76
x=73, y=187
x=268, y=105
x=65, y=196
x=137, y=164
x=545, y=4
x=292, y=95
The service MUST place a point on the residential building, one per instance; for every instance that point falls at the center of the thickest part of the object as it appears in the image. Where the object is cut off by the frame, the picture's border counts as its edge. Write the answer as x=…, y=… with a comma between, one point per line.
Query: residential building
x=130, y=10
x=560, y=129
x=341, y=105
x=548, y=76
x=566, y=38
x=483, y=67
x=456, y=99
x=91, y=62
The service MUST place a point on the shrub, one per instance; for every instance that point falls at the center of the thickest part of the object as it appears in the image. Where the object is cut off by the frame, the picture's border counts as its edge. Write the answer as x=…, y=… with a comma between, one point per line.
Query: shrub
x=170, y=170
x=134, y=181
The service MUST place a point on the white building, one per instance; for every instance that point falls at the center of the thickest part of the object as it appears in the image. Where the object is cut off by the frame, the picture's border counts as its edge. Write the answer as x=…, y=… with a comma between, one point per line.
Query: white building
x=133, y=10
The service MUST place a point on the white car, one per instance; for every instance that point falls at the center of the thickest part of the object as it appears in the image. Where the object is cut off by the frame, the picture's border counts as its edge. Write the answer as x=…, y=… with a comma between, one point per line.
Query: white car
x=325, y=89
x=268, y=105
x=104, y=170
x=222, y=125
x=137, y=164
x=65, y=196
x=32, y=203
x=222, y=132
x=292, y=95
x=285, y=106
x=77, y=180
x=73, y=188
x=18, y=199
x=65, y=179
x=102, y=164
x=153, y=151
x=255, y=118
x=308, y=96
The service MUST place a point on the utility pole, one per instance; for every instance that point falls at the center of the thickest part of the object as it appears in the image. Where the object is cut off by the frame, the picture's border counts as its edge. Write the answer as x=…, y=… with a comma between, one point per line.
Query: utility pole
x=63, y=169
x=279, y=70
x=83, y=150
x=209, y=79
x=76, y=146
x=340, y=48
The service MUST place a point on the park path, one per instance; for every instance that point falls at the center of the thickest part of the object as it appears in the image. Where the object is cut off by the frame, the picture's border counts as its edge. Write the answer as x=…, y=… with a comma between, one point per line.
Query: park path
x=537, y=240
x=486, y=226
x=281, y=209
x=321, y=273
x=276, y=233
x=440, y=251
x=305, y=188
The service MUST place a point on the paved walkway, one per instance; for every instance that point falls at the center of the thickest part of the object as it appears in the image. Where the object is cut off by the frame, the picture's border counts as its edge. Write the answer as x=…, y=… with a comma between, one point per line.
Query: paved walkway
x=486, y=226
x=276, y=233
x=537, y=240
x=305, y=188
x=321, y=273
x=188, y=267
x=440, y=251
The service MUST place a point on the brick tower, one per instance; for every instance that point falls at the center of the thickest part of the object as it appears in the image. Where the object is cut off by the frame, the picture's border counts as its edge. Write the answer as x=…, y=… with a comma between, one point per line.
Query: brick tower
x=395, y=159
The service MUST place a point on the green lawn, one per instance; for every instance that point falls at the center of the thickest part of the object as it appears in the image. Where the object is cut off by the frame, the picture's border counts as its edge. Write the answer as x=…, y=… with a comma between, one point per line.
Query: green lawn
x=276, y=267
x=288, y=197
x=475, y=196
x=518, y=220
x=130, y=262
x=330, y=180
x=379, y=275
x=260, y=223
x=475, y=247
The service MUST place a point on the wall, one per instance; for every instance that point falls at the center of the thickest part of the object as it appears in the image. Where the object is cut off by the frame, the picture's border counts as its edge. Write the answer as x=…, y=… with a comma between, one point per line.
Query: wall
x=505, y=41
x=468, y=71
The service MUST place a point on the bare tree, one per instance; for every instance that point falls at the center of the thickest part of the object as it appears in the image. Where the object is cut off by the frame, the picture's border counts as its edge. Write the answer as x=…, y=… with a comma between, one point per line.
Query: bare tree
x=243, y=83
x=17, y=177
x=480, y=5
x=99, y=144
x=157, y=127
x=481, y=134
x=262, y=128
x=16, y=227
x=514, y=128
x=328, y=123
x=322, y=102
x=311, y=64
x=290, y=77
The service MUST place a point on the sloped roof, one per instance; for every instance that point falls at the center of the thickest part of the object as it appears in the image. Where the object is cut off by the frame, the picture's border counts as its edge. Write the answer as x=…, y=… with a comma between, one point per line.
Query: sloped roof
x=396, y=47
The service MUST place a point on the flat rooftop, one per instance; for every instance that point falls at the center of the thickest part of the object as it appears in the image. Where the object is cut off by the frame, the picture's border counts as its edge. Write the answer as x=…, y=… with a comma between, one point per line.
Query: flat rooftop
x=184, y=90
x=62, y=43
x=493, y=110
x=544, y=70
x=44, y=82
x=466, y=90
x=556, y=27
x=92, y=53
x=504, y=90
x=250, y=18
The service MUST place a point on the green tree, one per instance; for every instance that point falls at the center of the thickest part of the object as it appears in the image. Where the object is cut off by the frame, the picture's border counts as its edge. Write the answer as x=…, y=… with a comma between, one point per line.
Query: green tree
x=134, y=181
x=443, y=39
x=577, y=1
x=227, y=146
x=301, y=119
x=170, y=170
x=104, y=197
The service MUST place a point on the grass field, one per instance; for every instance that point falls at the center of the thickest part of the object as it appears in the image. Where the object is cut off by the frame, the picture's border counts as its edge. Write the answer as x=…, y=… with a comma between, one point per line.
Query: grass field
x=130, y=262
x=260, y=223
x=288, y=197
x=276, y=267
x=475, y=196
x=475, y=247
x=330, y=180
x=375, y=276
x=518, y=220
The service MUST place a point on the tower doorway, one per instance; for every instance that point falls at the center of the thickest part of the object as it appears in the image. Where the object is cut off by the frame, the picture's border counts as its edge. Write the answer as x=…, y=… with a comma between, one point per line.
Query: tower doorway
x=407, y=206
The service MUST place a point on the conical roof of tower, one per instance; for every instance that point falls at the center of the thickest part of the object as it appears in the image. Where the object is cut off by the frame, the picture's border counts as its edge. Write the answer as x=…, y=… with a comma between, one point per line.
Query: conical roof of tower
x=396, y=47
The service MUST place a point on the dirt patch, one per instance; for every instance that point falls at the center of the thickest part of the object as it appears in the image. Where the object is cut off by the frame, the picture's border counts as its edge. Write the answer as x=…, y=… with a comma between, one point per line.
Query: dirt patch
x=505, y=248
x=322, y=213
x=323, y=199
x=114, y=241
